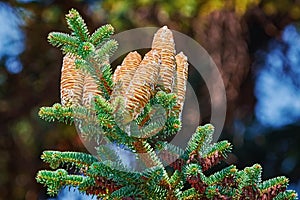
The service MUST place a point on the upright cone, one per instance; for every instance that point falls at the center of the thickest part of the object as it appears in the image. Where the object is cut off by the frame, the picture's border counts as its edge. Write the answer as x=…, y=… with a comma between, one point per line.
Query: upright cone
x=163, y=42
x=77, y=87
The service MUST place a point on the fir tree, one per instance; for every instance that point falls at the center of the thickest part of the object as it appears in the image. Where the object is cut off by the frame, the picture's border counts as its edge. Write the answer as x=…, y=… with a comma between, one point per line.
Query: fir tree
x=108, y=104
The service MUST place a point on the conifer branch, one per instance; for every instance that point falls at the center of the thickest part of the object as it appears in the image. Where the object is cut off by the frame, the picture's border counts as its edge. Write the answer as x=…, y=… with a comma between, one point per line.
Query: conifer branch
x=198, y=138
x=224, y=176
x=126, y=192
x=101, y=34
x=287, y=195
x=55, y=180
x=271, y=188
x=105, y=152
x=189, y=194
x=114, y=173
x=107, y=49
x=176, y=180
x=57, y=113
x=68, y=43
x=138, y=108
x=76, y=159
x=217, y=153
x=169, y=153
x=77, y=25
x=172, y=126
x=100, y=71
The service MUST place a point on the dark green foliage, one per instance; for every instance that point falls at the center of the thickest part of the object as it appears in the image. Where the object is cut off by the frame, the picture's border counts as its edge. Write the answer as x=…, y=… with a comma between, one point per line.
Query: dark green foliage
x=76, y=159
x=68, y=44
x=55, y=180
x=80, y=43
x=101, y=34
x=228, y=182
x=107, y=177
x=77, y=25
x=57, y=113
x=198, y=139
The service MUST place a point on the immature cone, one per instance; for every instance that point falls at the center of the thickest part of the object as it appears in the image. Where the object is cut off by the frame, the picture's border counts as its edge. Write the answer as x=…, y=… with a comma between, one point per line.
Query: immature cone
x=124, y=74
x=163, y=42
x=139, y=78
x=71, y=82
x=181, y=80
x=126, y=70
x=142, y=85
x=151, y=57
x=77, y=88
x=90, y=89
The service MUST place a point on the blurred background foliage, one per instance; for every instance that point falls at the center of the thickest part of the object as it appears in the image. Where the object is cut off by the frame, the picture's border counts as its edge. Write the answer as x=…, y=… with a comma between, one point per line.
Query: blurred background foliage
x=254, y=43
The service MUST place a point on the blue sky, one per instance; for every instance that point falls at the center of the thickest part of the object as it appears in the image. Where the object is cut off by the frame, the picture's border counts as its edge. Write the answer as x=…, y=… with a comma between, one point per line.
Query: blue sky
x=277, y=85
x=72, y=193
x=11, y=38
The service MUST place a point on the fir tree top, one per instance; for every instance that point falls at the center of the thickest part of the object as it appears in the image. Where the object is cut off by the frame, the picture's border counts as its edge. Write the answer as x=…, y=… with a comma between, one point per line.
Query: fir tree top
x=109, y=105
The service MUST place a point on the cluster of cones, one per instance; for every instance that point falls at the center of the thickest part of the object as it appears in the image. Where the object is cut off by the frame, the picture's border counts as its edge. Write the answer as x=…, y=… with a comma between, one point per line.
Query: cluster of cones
x=136, y=80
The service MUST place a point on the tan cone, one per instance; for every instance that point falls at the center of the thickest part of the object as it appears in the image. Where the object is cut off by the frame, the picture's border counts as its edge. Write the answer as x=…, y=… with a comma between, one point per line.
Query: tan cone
x=77, y=87
x=163, y=42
